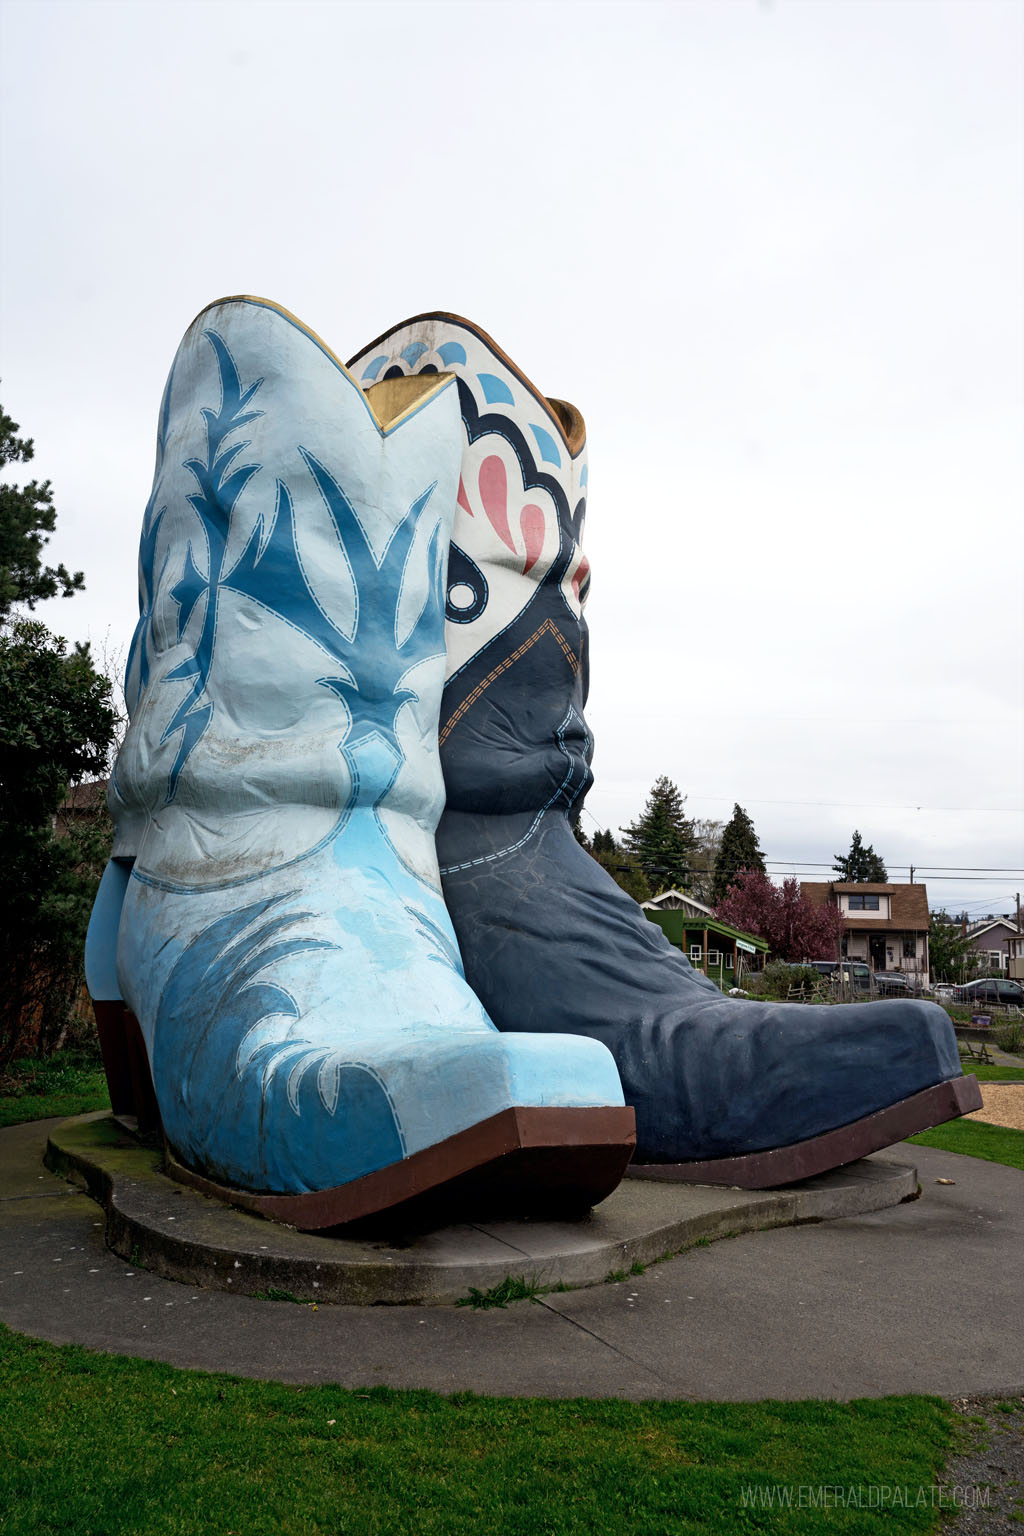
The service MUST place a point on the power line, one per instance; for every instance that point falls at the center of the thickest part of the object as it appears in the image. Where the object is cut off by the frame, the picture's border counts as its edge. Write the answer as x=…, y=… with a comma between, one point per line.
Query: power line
x=960, y=872
x=964, y=869
x=972, y=906
x=870, y=805
x=809, y=864
x=956, y=879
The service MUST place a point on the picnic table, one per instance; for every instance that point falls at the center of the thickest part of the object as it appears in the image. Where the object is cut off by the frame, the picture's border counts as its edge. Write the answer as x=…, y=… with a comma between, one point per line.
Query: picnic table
x=976, y=1036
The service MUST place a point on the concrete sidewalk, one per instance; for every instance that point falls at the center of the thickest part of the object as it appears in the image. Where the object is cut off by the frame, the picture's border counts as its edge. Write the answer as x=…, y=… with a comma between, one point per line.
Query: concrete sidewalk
x=924, y=1297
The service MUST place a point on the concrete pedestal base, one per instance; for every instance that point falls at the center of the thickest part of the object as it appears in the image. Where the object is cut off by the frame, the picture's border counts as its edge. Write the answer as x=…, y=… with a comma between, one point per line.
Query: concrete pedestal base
x=184, y=1235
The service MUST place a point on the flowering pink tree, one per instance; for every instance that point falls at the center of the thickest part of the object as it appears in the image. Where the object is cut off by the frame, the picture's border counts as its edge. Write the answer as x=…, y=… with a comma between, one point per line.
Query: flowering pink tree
x=795, y=928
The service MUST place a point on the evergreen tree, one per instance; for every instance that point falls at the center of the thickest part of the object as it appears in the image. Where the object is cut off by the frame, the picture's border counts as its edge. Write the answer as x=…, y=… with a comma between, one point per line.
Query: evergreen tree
x=623, y=868
x=739, y=849
x=27, y=518
x=57, y=726
x=662, y=839
x=951, y=955
x=604, y=842
x=861, y=866
x=57, y=723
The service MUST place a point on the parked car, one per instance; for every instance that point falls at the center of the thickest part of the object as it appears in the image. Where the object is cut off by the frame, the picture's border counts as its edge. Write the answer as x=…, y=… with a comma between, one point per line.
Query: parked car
x=894, y=984
x=851, y=973
x=989, y=990
x=944, y=992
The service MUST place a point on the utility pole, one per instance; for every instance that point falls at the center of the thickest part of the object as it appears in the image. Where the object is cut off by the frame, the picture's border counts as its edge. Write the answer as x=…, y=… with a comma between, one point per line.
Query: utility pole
x=911, y=874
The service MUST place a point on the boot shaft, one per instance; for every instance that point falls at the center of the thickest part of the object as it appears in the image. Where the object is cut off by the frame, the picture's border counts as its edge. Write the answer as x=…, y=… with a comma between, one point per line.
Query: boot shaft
x=513, y=738
x=289, y=657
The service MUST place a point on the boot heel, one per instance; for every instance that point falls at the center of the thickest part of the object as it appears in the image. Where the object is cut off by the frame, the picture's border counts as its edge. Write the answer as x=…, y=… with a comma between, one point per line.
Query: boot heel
x=111, y=1028
x=146, y=1109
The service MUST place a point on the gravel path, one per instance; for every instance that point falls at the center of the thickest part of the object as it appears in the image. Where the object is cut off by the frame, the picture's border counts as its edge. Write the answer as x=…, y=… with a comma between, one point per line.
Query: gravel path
x=985, y=1480
x=1002, y=1104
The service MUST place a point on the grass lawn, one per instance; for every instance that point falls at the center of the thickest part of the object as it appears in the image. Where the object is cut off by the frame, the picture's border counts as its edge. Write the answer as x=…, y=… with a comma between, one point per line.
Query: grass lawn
x=97, y=1445
x=975, y=1138
x=70, y=1082
x=991, y=1074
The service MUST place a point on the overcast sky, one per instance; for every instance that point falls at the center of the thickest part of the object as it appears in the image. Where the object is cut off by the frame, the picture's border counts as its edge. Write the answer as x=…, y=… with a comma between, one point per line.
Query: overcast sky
x=774, y=253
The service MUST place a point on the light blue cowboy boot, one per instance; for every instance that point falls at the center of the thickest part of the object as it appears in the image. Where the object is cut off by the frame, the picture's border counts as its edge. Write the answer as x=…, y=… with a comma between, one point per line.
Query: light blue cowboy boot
x=274, y=895
x=726, y=1091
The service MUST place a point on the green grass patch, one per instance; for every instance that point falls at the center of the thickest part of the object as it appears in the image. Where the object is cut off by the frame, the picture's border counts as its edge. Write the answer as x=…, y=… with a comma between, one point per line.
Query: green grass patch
x=512, y=1288
x=976, y=1138
x=98, y=1445
x=991, y=1074
x=70, y=1082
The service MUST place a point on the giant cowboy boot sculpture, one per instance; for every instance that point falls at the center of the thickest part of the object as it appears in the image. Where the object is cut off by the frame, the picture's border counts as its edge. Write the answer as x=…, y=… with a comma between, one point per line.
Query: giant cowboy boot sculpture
x=728, y=1091
x=272, y=916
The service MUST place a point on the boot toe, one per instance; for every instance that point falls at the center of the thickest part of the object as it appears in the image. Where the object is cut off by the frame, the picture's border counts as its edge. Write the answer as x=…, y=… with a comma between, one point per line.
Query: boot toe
x=752, y=1076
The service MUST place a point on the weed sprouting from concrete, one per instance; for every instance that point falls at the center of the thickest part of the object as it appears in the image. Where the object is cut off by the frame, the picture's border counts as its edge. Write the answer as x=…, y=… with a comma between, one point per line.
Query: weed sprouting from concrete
x=512, y=1288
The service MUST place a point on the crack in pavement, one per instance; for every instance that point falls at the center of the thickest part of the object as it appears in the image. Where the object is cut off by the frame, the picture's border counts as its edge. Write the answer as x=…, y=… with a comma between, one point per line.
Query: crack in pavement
x=502, y=1240
x=641, y=1364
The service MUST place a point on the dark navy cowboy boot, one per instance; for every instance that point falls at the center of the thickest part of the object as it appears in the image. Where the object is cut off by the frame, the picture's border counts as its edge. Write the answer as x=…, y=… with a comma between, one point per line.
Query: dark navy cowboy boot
x=273, y=916
x=548, y=939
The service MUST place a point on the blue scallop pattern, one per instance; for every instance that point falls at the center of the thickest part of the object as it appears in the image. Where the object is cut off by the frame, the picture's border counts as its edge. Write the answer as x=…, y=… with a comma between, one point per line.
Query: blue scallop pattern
x=547, y=445
x=372, y=369
x=452, y=352
x=413, y=352
x=496, y=391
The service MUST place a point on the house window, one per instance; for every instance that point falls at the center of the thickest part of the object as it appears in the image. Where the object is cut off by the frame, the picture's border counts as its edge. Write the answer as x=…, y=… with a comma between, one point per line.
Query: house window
x=714, y=957
x=696, y=951
x=863, y=903
x=909, y=946
x=728, y=962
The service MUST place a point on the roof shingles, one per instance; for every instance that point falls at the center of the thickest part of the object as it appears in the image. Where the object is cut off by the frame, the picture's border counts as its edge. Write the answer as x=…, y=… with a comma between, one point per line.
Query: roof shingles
x=908, y=904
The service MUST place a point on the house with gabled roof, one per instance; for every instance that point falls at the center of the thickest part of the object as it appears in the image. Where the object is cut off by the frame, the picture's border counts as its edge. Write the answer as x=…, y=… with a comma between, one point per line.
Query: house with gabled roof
x=678, y=901
x=886, y=925
x=83, y=802
x=990, y=940
x=716, y=948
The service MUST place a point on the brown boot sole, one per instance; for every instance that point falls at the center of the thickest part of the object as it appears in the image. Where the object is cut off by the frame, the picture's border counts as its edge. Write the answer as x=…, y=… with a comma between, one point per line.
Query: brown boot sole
x=521, y=1162
x=804, y=1159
